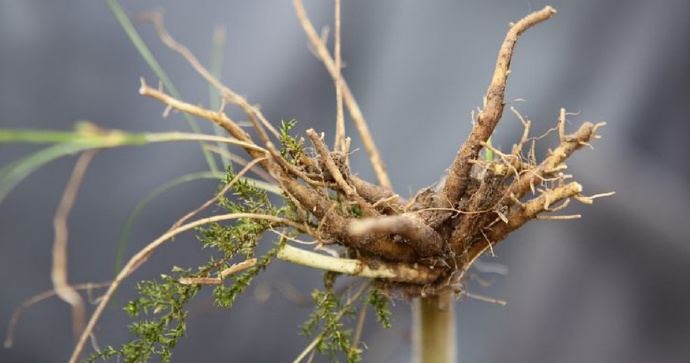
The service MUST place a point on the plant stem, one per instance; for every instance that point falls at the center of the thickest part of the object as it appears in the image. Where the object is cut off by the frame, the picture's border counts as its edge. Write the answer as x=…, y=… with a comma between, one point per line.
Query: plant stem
x=434, y=329
x=145, y=53
x=395, y=272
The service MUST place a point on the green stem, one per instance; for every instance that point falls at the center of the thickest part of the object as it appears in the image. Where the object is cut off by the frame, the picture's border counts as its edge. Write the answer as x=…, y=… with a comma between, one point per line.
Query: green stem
x=86, y=137
x=434, y=329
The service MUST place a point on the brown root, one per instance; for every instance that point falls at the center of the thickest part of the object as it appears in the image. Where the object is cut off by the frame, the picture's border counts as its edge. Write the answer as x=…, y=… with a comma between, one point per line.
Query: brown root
x=422, y=247
x=480, y=203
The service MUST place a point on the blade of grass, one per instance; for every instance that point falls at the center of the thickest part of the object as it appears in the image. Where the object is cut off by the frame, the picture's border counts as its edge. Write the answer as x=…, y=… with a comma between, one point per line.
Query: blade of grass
x=14, y=173
x=145, y=53
x=87, y=137
x=216, y=68
x=95, y=137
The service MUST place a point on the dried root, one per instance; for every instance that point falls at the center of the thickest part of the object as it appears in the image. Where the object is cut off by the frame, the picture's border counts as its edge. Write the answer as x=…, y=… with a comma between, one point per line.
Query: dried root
x=420, y=247
x=481, y=202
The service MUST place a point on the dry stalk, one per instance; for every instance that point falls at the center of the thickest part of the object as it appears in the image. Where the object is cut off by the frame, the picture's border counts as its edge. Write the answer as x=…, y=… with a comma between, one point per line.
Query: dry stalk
x=17, y=313
x=228, y=94
x=340, y=119
x=238, y=267
x=357, y=117
x=59, y=271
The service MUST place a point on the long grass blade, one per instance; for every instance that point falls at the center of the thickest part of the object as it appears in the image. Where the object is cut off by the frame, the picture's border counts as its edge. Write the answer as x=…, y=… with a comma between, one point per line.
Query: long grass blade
x=88, y=136
x=14, y=173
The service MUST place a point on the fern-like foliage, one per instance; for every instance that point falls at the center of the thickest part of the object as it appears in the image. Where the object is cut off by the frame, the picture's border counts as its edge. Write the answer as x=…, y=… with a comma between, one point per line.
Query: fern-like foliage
x=379, y=302
x=328, y=314
x=334, y=316
x=160, y=308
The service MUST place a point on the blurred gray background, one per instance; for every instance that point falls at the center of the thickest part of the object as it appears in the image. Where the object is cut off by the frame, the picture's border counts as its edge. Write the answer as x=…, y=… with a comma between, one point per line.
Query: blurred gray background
x=611, y=287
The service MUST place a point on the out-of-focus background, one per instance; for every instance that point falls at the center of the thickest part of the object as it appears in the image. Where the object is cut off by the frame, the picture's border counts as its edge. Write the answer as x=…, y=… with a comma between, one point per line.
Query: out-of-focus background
x=611, y=287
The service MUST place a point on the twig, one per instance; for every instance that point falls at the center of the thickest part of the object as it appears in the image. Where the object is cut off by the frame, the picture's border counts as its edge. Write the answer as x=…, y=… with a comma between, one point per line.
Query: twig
x=58, y=273
x=17, y=313
x=292, y=169
x=241, y=266
x=230, y=95
x=234, y=130
x=155, y=67
x=335, y=172
x=360, y=327
x=340, y=120
x=218, y=118
x=305, y=196
x=352, y=106
x=554, y=161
